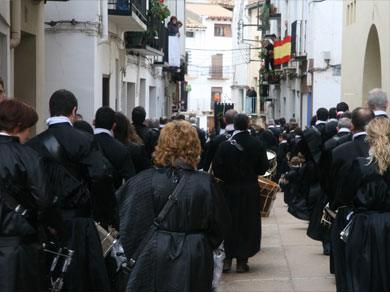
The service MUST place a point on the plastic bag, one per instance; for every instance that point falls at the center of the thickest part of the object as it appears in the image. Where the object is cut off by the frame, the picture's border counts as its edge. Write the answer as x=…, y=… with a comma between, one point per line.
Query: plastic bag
x=219, y=256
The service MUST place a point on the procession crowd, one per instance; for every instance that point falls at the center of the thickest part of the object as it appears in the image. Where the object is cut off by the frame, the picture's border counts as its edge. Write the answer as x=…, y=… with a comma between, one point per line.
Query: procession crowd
x=145, y=205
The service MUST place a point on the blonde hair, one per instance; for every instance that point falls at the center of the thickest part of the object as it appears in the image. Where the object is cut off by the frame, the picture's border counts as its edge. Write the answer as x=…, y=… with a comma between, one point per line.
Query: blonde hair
x=378, y=137
x=178, y=143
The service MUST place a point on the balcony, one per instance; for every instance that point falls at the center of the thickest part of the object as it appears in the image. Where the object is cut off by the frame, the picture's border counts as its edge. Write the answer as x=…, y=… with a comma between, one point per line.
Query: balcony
x=129, y=15
x=153, y=42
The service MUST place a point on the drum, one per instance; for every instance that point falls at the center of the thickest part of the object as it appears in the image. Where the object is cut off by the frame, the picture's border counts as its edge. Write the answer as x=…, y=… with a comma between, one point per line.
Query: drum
x=271, y=172
x=268, y=191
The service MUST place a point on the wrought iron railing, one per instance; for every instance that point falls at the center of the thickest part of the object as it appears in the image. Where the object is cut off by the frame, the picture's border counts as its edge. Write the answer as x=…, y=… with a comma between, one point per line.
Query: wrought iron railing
x=128, y=7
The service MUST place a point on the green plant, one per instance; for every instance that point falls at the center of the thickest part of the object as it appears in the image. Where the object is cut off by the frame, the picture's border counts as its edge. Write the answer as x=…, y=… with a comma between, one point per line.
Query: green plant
x=159, y=10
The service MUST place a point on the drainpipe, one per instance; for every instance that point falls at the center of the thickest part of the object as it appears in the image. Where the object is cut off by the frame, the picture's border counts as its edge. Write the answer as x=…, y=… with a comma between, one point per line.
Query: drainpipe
x=104, y=21
x=16, y=19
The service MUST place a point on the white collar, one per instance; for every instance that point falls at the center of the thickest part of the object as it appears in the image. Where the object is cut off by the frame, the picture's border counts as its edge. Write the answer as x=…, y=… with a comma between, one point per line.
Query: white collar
x=162, y=125
x=380, y=113
x=344, y=129
x=237, y=132
x=320, y=122
x=103, y=130
x=333, y=119
x=271, y=126
x=4, y=133
x=357, y=134
x=58, y=120
x=283, y=141
x=229, y=127
x=297, y=136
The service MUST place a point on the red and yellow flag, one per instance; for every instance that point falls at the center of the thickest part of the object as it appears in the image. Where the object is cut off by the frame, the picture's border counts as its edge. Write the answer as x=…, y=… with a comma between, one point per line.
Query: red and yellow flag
x=282, y=51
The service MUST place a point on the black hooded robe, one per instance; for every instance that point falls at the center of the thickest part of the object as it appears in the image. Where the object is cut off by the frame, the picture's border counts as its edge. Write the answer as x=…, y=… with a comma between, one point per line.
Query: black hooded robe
x=239, y=171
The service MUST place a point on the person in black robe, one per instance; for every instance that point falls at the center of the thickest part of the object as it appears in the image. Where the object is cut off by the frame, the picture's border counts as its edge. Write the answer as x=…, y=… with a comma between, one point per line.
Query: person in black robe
x=104, y=202
x=339, y=191
x=178, y=255
x=74, y=163
x=282, y=156
x=331, y=125
x=148, y=136
x=22, y=183
x=238, y=163
x=212, y=145
x=268, y=139
x=367, y=246
x=126, y=134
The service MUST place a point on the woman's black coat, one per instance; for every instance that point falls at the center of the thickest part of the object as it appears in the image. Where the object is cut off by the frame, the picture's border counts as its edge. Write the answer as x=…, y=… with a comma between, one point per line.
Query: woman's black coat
x=21, y=178
x=179, y=256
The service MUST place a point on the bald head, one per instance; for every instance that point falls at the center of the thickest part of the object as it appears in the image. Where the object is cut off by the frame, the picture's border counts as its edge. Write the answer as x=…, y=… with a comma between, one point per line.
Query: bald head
x=377, y=100
x=360, y=118
x=229, y=116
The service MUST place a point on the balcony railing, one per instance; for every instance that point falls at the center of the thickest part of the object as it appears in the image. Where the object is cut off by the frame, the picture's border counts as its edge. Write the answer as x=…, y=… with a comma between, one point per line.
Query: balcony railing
x=152, y=42
x=128, y=8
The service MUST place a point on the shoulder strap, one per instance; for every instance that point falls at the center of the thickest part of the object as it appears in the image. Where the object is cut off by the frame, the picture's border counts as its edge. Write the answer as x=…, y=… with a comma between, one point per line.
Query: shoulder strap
x=54, y=147
x=172, y=199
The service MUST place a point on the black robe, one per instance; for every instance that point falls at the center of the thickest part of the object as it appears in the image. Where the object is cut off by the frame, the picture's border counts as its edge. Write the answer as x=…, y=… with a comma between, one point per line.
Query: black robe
x=139, y=157
x=239, y=171
x=211, y=148
x=72, y=169
x=367, y=248
x=341, y=193
x=179, y=256
x=268, y=139
x=149, y=137
x=21, y=177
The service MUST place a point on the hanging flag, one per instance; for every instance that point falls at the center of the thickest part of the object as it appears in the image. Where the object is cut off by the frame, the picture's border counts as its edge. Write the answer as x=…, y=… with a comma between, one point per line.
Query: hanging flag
x=282, y=51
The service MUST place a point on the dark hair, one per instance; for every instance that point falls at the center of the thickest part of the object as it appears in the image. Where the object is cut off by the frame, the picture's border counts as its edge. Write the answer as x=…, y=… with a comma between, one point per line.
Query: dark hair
x=361, y=117
x=173, y=18
x=322, y=114
x=83, y=126
x=16, y=114
x=1, y=82
x=346, y=114
x=105, y=118
x=62, y=103
x=332, y=113
x=282, y=121
x=241, y=122
x=138, y=115
x=180, y=117
x=342, y=107
x=121, y=130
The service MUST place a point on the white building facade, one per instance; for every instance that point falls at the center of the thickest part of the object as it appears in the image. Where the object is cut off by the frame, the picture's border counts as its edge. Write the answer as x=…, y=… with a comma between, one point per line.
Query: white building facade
x=92, y=51
x=210, y=64
x=312, y=78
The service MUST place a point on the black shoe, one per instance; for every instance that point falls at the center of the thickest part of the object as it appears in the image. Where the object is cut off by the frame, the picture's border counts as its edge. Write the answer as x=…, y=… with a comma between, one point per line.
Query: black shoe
x=227, y=265
x=242, y=266
x=326, y=246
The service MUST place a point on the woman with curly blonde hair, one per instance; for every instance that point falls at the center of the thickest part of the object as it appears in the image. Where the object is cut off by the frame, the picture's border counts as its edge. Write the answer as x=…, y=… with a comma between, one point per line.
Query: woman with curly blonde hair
x=172, y=217
x=368, y=244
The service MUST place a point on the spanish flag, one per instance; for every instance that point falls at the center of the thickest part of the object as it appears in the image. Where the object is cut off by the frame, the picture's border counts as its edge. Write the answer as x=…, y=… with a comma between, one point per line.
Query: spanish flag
x=282, y=51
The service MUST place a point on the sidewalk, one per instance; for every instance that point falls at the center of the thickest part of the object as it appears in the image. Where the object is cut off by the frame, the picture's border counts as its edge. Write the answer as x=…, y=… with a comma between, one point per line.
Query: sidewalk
x=288, y=260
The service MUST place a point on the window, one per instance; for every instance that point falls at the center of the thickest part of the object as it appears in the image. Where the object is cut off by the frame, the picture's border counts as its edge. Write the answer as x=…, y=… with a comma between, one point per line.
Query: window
x=216, y=69
x=222, y=30
x=189, y=34
x=216, y=93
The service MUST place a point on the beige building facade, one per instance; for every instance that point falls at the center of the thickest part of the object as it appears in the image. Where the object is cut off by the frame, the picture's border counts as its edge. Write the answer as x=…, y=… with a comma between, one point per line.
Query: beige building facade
x=22, y=51
x=366, y=49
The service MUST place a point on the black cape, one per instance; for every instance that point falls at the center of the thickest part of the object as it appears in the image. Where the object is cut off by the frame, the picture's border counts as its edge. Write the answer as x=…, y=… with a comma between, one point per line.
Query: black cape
x=21, y=177
x=239, y=171
x=367, y=248
x=73, y=168
x=179, y=256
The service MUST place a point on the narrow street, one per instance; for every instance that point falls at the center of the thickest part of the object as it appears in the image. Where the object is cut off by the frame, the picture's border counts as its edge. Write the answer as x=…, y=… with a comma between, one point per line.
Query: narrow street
x=288, y=260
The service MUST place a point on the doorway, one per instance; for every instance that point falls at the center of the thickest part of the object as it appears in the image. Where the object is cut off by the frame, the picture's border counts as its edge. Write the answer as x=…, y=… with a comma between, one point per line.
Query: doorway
x=106, y=90
x=372, y=75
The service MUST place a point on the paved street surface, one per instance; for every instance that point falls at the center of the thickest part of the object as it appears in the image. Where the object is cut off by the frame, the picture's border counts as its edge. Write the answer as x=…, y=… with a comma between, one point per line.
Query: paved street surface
x=288, y=260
